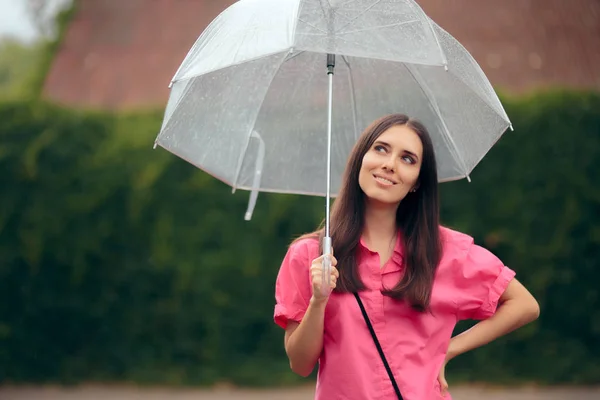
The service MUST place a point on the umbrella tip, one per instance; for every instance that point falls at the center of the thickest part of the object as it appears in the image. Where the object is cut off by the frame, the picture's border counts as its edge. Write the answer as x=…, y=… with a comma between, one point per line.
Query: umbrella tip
x=468, y=179
x=154, y=147
x=445, y=66
x=170, y=84
x=511, y=128
x=248, y=216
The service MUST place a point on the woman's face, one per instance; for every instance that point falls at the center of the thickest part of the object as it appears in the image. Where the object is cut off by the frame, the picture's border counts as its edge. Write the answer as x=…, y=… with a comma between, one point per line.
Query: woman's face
x=390, y=168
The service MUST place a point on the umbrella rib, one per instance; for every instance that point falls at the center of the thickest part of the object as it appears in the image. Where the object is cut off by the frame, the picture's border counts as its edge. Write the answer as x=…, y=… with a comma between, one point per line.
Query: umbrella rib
x=428, y=95
x=344, y=3
x=345, y=7
x=486, y=104
x=325, y=16
x=241, y=158
x=485, y=81
x=313, y=26
x=233, y=64
x=334, y=9
x=359, y=15
x=176, y=106
x=294, y=55
x=372, y=28
x=502, y=115
x=420, y=11
x=437, y=40
x=241, y=42
x=352, y=93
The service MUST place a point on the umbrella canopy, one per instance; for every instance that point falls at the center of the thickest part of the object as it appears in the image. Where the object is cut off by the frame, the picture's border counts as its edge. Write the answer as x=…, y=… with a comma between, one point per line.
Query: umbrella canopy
x=248, y=104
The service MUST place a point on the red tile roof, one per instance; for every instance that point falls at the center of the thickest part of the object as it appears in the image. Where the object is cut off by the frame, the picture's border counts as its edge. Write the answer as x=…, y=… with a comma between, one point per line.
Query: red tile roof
x=122, y=54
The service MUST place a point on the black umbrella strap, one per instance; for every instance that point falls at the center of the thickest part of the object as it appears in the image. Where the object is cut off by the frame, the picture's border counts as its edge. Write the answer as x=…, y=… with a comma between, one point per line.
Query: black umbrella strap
x=379, y=349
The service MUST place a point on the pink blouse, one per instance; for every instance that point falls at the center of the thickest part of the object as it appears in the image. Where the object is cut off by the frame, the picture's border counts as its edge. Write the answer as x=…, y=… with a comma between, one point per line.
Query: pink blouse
x=468, y=284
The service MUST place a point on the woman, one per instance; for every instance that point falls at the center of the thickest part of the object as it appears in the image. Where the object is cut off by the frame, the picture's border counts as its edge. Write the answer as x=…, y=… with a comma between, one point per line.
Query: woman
x=415, y=280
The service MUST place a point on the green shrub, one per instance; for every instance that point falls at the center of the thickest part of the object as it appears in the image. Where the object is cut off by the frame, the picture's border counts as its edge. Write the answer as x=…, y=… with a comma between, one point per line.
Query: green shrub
x=119, y=262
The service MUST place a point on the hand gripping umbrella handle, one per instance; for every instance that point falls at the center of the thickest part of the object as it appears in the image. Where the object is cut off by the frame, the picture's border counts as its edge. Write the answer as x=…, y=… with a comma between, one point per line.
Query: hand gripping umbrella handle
x=326, y=277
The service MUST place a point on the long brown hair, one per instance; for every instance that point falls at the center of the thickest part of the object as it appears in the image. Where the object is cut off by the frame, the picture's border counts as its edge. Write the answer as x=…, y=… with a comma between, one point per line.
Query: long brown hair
x=417, y=219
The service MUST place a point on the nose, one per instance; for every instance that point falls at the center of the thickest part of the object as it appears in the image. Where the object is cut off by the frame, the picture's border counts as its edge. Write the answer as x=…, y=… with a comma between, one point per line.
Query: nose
x=388, y=164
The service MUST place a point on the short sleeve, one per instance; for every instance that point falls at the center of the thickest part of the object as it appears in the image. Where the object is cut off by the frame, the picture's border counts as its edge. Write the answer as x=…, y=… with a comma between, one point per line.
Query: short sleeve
x=481, y=279
x=292, y=287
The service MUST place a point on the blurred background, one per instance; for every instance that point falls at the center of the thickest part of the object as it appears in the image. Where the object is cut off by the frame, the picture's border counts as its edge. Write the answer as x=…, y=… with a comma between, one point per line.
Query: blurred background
x=126, y=272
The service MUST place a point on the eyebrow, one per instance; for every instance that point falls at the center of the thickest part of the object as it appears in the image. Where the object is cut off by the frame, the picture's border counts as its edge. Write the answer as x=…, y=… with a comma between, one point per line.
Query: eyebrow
x=404, y=150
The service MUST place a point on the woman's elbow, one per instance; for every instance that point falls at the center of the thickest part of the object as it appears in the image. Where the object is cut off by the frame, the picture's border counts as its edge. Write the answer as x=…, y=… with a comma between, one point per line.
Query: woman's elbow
x=533, y=309
x=302, y=370
x=530, y=309
x=523, y=302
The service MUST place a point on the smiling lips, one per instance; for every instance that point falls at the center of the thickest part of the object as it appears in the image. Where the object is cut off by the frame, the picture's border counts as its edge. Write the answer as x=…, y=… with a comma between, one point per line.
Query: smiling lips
x=384, y=181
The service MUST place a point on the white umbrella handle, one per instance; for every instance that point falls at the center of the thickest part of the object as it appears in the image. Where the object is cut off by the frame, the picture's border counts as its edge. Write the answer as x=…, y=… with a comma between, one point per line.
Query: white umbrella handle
x=326, y=277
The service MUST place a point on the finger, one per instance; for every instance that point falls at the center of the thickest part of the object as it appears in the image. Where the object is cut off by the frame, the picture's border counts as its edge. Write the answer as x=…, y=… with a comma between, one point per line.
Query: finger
x=335, y=272
x=333, y=260
x=443, y=386
x=322, y=256
x=317, y=266
x=317, y=260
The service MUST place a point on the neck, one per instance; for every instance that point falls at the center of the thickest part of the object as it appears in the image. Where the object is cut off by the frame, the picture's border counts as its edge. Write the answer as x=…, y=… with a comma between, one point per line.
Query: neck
x=380, y=223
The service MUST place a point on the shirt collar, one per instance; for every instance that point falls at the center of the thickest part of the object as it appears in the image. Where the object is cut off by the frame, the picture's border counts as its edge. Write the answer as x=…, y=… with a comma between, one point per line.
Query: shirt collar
x=397, y=255
x=397, y=247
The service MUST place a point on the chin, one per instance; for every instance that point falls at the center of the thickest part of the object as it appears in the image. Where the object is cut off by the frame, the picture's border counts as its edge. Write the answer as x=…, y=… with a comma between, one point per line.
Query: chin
x=383, y=198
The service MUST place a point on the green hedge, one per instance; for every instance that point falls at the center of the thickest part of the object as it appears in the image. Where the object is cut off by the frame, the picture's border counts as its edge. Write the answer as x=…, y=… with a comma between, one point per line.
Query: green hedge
x=119, y=262
x=535, y=201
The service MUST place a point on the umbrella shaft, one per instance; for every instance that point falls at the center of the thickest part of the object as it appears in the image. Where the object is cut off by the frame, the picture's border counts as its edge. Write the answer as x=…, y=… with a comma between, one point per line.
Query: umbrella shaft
x=330, y=67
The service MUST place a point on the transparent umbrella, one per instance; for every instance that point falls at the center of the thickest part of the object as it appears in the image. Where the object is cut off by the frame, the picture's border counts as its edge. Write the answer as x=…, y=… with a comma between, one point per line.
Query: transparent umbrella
x=255, y=105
